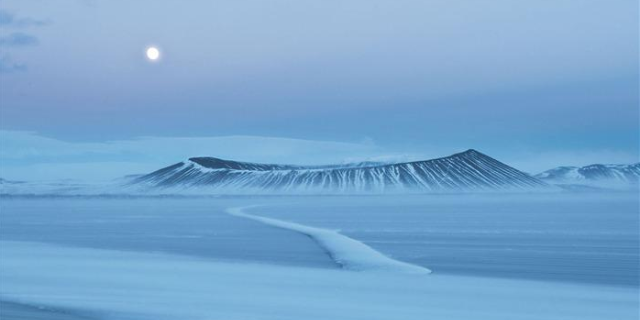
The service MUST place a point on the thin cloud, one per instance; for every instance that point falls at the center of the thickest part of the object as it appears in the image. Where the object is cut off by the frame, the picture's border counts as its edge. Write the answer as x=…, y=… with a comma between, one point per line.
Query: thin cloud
x=30, y=156
x=7, y=65
x=18, y=39
x=8, y=19
x=21, y=152
x=541, y=161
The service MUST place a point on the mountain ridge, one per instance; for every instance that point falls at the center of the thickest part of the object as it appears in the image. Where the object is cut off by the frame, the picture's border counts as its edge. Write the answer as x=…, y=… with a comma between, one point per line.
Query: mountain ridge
x=218, y=163
x=594, y=174
x=469, y=170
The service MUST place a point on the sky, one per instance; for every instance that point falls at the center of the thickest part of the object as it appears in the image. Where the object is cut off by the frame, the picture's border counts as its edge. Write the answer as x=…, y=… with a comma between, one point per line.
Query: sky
x=535, y=84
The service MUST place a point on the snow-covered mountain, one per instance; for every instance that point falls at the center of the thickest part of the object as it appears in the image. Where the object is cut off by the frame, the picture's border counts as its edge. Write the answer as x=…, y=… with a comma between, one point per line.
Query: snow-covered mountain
x=604, y=175
x=465, y=171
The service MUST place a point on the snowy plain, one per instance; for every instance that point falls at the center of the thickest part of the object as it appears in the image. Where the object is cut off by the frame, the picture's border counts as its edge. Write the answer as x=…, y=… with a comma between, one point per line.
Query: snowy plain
x=492, y=257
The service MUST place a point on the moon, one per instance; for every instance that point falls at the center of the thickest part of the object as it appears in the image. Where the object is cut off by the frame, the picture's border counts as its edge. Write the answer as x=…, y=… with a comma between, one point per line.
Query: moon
x=153, y=53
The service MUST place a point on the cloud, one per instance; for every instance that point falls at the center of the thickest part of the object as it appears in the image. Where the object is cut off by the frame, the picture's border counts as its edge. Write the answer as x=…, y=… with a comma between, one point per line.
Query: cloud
x=18, y=39
x=8, y=19
x=25, y=155
x=8, y=66
x=541, y=161
x=24, y=145
x=29, y=156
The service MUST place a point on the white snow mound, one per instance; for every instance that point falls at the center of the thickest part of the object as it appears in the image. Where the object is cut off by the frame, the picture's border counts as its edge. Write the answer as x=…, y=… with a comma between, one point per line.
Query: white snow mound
x=348, y=253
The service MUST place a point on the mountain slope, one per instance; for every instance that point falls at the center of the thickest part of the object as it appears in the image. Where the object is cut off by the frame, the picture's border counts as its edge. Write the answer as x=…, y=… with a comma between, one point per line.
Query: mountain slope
x=595, y=174
x=466, y=171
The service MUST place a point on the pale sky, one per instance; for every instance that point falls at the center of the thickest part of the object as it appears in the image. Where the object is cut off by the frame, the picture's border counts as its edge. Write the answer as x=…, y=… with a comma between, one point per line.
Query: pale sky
x=537, y=83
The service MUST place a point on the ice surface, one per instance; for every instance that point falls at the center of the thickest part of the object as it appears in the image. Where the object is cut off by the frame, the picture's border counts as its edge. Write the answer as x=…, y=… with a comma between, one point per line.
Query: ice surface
x=574, y=238
x=188, y=259
x=569, y=238
x=193, y=227
x=128, y=285
x=349, y=253
x=19, y=311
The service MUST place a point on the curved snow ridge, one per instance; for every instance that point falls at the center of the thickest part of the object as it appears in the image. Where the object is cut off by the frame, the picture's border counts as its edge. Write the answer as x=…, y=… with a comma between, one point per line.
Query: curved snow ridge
x=350, y=254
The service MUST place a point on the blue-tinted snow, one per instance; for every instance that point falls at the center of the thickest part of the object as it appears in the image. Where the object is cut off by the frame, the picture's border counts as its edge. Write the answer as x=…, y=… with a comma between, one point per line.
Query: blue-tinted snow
x=188, y=259
x=350, y=254
x=578, y=238
x=194, y=227
x=141, y=286
x=589, y=238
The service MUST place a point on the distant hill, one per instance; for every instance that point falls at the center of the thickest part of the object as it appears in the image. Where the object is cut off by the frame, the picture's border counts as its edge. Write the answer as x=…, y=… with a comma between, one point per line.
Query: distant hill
x=465, y=171
x=602, y=175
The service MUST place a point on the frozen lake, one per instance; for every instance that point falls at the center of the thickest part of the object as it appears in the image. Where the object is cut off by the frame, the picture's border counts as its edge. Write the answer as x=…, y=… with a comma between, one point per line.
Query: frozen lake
x=572, y=238
x=556, y=240
x=193, y=227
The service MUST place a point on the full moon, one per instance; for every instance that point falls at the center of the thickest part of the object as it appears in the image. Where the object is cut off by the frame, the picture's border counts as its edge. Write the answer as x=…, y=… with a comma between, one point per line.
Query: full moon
x=153, y=53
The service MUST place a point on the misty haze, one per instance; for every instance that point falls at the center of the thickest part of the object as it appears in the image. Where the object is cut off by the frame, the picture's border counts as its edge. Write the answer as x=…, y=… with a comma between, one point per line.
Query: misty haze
x=319, y=160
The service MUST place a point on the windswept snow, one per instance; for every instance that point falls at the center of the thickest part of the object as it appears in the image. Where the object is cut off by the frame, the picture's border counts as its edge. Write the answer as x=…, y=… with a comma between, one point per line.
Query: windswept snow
x=194, y=261
x=349, y=253
x=131, y=285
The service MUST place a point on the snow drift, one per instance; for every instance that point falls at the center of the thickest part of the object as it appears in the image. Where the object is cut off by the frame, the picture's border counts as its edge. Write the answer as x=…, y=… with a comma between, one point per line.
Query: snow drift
x=114, y=284
x=348, y=253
